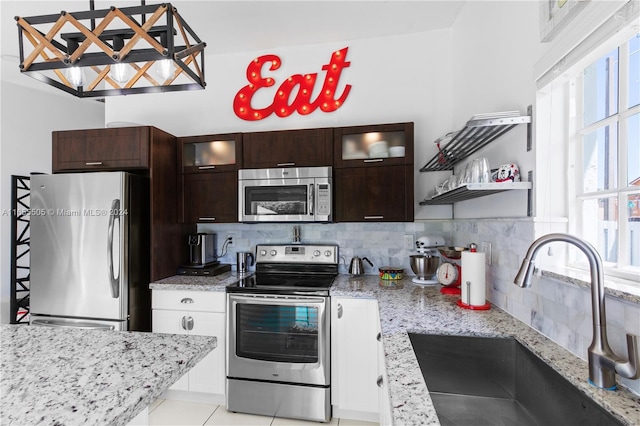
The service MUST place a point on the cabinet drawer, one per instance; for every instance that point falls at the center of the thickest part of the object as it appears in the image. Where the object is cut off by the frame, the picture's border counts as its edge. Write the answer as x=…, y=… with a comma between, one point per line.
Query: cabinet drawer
x=202, y=301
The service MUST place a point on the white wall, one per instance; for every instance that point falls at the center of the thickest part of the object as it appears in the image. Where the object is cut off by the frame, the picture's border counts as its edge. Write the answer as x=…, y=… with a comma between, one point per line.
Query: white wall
x=28, y=116
x=496, y=45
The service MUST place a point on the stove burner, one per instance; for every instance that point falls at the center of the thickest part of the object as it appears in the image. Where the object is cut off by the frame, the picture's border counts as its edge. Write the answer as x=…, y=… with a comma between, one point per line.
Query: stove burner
x=282, y=284
x=281, y=269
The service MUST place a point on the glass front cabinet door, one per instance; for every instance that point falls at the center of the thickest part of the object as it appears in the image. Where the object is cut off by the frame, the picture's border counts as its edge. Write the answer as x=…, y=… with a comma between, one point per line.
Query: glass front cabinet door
x=376, y=145
x=210, y=153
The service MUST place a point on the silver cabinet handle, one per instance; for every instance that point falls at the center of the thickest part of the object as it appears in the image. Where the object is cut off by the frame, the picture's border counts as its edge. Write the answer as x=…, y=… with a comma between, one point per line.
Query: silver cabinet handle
x=206, y=218
x=206, y=167
x=93, y=163
x=373, y=217
x=379, y=337
x=190, y=323
x=373, y=160
x=187, y=300
x=340, y=310
x=285, y=164
x=380, y=381
x=187, y=323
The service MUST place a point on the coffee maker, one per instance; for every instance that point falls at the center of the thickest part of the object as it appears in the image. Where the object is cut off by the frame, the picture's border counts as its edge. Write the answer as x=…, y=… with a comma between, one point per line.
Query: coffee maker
x=202, y=256
x=202, y=249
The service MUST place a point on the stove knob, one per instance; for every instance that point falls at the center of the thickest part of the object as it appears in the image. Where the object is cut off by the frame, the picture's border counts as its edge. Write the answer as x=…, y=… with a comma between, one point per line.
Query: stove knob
x=273, y=252
x=263, y=253
x=328, y=253
x=316, y=253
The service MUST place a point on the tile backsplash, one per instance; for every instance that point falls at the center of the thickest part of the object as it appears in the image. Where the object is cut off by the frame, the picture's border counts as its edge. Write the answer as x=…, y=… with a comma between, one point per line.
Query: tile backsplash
x=560, y=310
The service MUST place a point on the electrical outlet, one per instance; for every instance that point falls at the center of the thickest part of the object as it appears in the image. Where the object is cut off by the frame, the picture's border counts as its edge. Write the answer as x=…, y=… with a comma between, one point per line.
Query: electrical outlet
x=409, y=244
x=486, y=249
x=231, y=238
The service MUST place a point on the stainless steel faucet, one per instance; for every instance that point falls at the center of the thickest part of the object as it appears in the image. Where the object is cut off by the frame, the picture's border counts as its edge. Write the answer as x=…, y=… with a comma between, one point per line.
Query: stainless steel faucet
x=603, y=362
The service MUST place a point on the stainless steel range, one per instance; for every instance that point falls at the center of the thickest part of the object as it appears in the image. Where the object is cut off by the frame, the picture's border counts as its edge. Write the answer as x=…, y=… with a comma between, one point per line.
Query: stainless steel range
x=278, y=360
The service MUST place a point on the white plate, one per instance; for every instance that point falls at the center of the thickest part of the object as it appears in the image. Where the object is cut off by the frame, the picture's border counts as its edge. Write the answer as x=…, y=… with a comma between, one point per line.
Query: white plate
x=491, y=115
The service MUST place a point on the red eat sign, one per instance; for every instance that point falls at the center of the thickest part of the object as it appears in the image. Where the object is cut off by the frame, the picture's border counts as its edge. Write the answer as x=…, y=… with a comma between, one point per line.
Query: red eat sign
x=301, y=85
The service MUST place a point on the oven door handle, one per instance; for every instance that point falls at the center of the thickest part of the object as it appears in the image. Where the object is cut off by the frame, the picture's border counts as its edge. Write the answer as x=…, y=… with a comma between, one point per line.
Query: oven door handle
x=266, y=300
x=312, y=187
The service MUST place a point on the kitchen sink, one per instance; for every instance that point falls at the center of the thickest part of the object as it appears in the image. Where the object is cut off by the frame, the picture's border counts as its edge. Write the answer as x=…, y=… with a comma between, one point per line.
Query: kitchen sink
x=498, y=381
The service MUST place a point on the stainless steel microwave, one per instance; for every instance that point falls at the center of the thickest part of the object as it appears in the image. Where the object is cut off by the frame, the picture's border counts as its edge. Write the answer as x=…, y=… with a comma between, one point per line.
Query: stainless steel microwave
x=300, y=194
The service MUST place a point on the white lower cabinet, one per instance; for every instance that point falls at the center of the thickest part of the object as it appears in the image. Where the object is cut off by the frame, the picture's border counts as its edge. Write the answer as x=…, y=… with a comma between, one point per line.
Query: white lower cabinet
x=202, y=314
x=355, y=363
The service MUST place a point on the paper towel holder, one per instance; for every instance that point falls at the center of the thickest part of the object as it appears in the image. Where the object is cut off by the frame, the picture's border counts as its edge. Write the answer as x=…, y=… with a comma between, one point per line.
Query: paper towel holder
x=473, y=248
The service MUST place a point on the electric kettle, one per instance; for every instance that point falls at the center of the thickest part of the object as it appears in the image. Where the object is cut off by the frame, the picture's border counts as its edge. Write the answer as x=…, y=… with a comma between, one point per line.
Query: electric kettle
x=356, y=267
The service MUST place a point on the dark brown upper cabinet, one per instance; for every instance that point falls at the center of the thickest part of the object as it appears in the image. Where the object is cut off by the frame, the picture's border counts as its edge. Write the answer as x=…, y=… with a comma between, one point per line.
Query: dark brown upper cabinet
x=374, y=194
x=210, y=153
x=123, y=148
x=287, y=148
x=373, y=145
x=208, y=183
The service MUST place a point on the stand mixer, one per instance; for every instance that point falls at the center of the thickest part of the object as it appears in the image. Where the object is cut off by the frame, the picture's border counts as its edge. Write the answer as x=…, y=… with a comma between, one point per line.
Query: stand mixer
x=426, y=262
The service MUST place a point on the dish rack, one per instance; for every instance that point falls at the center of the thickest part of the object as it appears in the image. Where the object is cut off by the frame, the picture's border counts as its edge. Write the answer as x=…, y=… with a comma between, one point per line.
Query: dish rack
x=479, y=131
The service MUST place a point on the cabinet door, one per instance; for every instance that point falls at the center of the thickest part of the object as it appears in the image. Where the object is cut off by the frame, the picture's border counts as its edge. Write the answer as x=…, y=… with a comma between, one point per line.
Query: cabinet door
x=354, y=361
x=210, y=153
x=171, y=322
x=287, y=148
x=374, y=194
x=209, y=374
x=101, y=149
x=210, y=197
x=373, y=145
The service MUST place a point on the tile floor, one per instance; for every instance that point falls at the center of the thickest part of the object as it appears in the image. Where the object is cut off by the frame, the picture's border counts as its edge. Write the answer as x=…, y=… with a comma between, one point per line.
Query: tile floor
x=171, y=412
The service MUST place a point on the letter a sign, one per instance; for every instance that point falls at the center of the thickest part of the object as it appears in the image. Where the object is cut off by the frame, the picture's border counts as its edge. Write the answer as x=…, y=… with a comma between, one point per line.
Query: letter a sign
x=297, y=87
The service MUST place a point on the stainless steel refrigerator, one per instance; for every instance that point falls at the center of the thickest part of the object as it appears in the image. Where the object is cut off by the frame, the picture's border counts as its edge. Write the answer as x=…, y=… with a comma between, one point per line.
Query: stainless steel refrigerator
x=90, y=251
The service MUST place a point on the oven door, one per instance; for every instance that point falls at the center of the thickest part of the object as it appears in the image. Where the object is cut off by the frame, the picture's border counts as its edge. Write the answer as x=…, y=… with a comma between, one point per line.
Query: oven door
x=279, y=338
x=276, y=200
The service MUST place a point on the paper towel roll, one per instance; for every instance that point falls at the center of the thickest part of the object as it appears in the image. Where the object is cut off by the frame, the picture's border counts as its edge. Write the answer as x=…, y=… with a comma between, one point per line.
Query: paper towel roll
x=473, y=279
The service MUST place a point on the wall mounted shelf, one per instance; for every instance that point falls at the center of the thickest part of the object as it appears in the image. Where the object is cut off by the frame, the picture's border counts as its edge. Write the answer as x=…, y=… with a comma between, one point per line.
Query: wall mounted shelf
x=479, y=131
x=474, y=190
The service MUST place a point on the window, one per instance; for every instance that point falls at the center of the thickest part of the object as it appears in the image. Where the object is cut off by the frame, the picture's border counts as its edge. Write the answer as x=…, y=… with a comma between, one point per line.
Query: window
x=607, y=192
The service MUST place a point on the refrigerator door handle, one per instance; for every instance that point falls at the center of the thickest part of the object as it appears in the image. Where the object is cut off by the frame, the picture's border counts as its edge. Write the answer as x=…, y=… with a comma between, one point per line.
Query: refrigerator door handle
x=115, y=285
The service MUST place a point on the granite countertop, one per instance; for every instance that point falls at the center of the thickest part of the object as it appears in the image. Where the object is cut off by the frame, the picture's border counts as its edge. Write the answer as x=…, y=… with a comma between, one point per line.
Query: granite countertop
x=65, y=376
x=406, y=307
x=197, y=283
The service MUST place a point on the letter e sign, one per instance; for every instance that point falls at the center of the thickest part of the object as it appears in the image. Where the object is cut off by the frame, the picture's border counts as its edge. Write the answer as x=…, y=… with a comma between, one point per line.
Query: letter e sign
x=300, y=85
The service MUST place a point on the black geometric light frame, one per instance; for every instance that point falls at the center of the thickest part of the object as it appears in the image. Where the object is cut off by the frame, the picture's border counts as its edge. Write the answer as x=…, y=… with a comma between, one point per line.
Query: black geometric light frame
x=58, y=48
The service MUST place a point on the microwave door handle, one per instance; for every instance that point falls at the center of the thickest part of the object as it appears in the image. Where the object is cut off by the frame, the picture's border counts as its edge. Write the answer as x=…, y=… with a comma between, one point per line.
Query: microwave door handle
x=311, y=198
x=115, y=287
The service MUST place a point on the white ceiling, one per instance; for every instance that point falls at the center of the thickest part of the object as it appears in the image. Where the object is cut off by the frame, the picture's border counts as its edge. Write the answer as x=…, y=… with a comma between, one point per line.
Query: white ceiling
x=244, y=26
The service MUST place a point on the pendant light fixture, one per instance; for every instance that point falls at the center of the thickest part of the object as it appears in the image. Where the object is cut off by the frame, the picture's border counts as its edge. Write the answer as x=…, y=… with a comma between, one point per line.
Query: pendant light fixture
x=98, y=53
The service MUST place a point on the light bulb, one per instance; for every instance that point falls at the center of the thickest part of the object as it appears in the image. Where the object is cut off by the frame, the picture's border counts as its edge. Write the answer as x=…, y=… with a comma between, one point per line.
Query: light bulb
x=75, y=75
x=165, y=68
x=119, y=72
